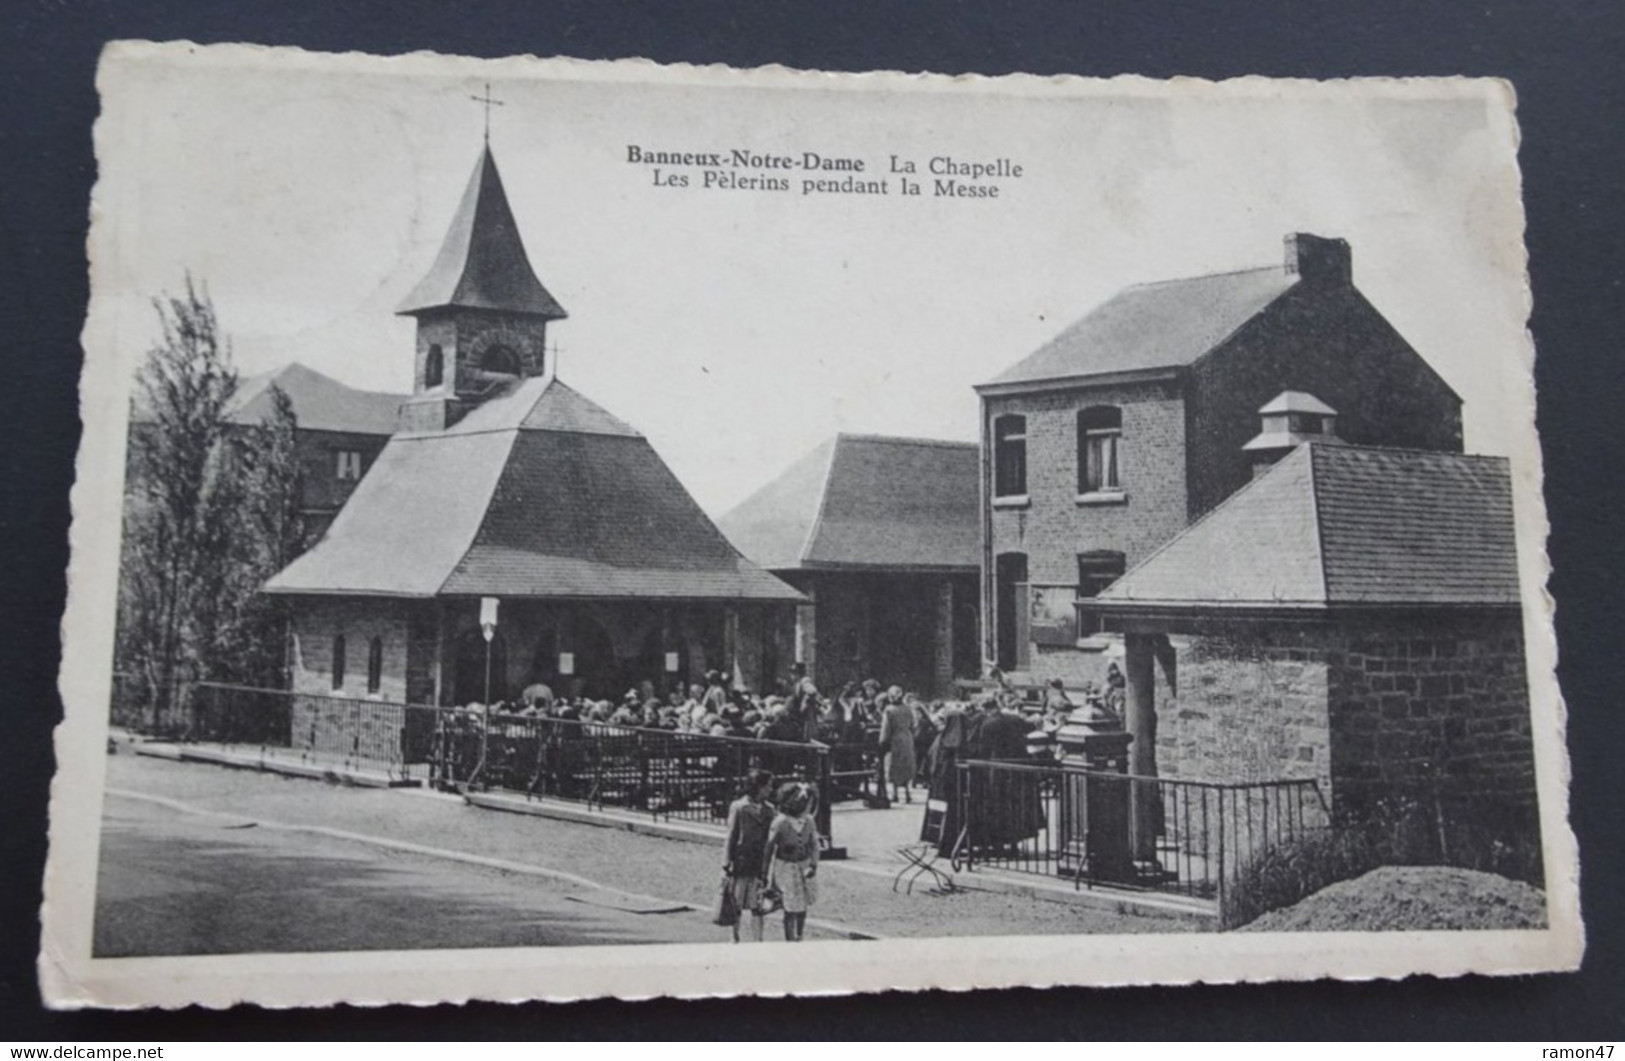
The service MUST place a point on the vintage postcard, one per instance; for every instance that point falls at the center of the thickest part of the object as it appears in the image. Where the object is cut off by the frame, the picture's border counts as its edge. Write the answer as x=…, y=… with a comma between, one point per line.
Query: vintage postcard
x=549, y=530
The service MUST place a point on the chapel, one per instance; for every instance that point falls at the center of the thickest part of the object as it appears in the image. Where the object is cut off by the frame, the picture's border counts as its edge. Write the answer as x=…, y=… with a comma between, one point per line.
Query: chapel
x=506, y=494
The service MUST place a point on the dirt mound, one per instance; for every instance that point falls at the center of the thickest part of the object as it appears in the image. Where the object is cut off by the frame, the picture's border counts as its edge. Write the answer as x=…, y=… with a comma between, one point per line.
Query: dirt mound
x=1412, y=899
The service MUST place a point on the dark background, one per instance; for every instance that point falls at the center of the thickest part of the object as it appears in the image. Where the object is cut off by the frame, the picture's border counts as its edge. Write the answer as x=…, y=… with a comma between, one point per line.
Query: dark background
x=1565, y=59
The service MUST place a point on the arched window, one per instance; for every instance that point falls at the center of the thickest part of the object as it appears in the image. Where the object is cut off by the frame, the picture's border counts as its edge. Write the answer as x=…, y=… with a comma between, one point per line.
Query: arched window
x=1100, y=434
x=1010, y=576
x=1010, y=456
x=338, y=661
x=434, y=367
x=499, y=360
x=375, y=664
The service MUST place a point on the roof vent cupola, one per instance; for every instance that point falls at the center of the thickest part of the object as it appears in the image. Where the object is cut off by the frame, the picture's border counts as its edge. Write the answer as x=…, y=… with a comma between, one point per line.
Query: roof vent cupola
x=1288, y=420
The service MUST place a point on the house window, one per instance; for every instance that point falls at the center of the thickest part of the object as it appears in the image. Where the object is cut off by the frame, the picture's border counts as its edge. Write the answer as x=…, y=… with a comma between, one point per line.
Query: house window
x=434, y=367
x=338, y=662
x=1097, y=570
x=1100, y=434
x=375, y=664
x=1010, y=580
x=1305, y=423
x=1010, y=456
x=349, y=464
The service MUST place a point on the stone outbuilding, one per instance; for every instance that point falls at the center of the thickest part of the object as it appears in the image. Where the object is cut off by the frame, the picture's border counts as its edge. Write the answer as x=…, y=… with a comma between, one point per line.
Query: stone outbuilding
x=1351, y=616
x=881, y=535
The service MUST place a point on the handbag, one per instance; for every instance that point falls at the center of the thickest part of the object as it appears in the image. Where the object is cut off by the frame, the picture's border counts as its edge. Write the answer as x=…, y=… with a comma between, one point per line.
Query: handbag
x=769, y=898
x=726, y=913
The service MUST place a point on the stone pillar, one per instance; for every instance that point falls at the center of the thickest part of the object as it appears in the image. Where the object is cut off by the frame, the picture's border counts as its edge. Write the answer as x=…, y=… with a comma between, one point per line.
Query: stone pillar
x=862, y=591
x=668, y=644
x=730, y=644
x=807, y=633
x=1139, y=673
x=442, y=690
x=942, y=645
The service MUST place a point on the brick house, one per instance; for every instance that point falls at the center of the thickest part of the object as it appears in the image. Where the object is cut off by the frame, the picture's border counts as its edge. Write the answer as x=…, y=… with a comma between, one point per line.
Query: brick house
x=341, y=430
x=1110, y=439
x=1351, y=616
x=881, y=535
x=505, y=483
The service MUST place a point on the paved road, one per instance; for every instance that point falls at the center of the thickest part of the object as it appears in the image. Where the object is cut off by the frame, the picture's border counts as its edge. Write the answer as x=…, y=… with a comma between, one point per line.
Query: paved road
x=171, y=882
x=151, y=892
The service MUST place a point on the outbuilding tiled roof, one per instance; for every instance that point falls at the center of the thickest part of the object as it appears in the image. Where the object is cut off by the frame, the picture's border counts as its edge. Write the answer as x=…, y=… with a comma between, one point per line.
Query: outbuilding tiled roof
x=545, y=495
x=1153, y=326
x=1340, y=525
x=866, y=501
x=483, y=264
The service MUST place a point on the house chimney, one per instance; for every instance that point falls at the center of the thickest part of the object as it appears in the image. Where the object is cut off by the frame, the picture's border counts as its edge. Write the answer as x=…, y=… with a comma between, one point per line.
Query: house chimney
x=1319, y=260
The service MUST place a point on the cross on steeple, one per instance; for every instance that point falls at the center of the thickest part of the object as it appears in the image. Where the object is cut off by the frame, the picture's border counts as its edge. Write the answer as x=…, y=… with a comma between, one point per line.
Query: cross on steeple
x=489, y=102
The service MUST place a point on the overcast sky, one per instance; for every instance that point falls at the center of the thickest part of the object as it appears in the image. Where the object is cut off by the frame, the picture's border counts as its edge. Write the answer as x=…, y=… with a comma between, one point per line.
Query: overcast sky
x=737, y=329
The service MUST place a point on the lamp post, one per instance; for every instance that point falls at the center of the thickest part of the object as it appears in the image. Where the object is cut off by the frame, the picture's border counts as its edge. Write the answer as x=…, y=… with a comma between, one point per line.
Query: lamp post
x=488, y=627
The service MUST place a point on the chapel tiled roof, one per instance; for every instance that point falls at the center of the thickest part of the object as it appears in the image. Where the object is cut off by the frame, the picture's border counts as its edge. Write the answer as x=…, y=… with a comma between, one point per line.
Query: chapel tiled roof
x=545, y=495
x=1341, y=525
x=1153, y=326
x=483, y=264
x=867, y=501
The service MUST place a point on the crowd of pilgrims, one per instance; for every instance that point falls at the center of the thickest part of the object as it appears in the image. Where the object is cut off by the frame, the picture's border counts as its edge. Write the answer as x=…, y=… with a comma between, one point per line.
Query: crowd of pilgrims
x=913, y=737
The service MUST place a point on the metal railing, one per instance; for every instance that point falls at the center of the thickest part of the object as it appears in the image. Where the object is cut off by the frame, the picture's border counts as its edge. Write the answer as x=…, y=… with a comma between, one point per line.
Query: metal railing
x=381, y=736
x=665, y=773
x=668, y=774
x=1187, y=837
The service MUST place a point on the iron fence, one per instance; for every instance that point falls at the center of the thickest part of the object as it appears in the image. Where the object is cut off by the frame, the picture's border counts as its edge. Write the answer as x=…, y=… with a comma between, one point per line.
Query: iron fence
x=855, y=773
x=664, y=773
x=667, y=774
x=1187, y=837
x=380, y=736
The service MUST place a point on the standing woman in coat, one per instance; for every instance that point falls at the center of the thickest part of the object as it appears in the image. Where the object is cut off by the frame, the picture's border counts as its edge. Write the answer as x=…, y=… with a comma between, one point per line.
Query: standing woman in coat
x=925, y=735
x=897, y=743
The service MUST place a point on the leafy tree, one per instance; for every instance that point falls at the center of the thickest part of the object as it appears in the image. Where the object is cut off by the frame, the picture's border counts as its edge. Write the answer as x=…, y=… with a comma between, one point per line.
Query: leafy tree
x=244, y=632
x=211, y=511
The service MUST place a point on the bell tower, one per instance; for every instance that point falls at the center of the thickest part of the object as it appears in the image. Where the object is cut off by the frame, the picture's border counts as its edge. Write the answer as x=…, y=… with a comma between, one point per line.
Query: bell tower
x=481, y=312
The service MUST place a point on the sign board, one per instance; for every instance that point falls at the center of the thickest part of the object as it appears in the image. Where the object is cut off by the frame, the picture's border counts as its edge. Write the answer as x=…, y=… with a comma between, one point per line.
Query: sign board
x=1053, y=618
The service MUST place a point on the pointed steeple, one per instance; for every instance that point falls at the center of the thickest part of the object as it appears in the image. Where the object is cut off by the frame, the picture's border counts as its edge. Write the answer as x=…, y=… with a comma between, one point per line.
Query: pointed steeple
x=482, y=264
